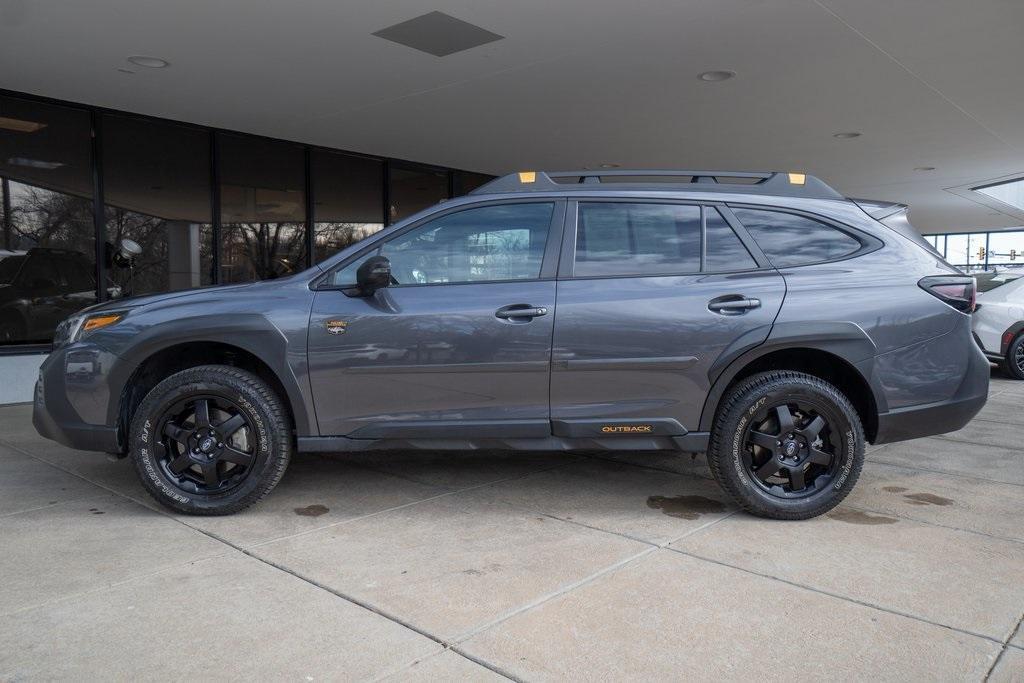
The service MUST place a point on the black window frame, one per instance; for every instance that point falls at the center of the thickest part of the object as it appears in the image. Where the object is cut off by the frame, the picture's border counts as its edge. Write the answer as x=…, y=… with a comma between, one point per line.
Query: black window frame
x=567, y=262
x=549, y=261
x=868, y=243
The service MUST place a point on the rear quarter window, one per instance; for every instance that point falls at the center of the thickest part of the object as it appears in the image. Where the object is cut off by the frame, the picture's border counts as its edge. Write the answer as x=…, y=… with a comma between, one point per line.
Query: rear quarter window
x=791, y=240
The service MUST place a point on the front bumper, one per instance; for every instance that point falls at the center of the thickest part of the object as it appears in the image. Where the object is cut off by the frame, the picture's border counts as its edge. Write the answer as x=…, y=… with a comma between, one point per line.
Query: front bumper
x=77, y=398
x=914, y=422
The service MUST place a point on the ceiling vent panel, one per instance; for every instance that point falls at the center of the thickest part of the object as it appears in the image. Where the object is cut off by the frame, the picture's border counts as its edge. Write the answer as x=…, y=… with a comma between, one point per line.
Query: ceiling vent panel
x=438, y=34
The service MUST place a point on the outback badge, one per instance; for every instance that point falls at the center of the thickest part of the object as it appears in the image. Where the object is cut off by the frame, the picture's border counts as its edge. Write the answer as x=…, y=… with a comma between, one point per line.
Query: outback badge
x=627, y=429
x=335, y=326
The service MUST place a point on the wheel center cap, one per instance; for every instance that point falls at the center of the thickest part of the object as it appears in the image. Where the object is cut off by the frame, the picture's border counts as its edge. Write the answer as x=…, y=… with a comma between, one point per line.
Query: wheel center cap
x=790, y=448
x=207, y=444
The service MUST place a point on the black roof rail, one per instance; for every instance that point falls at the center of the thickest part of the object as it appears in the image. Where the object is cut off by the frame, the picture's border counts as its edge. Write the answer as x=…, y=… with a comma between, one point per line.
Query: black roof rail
x=778, y=183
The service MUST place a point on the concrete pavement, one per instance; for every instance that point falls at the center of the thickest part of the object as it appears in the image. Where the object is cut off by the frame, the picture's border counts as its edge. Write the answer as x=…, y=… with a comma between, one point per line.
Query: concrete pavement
x=483, y=566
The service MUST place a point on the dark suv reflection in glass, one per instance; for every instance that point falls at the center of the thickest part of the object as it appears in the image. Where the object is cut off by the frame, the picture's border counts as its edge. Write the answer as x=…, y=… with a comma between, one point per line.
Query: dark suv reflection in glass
x=39, y=288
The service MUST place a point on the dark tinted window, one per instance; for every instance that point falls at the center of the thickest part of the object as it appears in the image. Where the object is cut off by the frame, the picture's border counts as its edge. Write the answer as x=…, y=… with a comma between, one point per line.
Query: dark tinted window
x=725, y=251
x=156, y=183
x=40, y=272
x=637, y=239
x=9, y=267
x=987, y=284
x=348, y=200
x=791, y=240
x=263, y=208
x=467, y=181
x=414, y=189
x=46, y=183
x=486, y=244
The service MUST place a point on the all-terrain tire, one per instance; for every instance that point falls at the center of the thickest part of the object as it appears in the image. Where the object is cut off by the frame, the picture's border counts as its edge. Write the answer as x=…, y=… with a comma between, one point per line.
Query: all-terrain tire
x=729, y=460
x=252, y=398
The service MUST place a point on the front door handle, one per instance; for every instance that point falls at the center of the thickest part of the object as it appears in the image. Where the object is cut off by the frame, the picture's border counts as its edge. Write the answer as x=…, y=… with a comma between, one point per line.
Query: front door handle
x=733, y=305
x=520, y=312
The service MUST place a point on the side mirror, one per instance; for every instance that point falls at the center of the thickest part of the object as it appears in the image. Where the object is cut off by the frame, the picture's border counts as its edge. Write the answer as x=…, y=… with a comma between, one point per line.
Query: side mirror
x=374, y=274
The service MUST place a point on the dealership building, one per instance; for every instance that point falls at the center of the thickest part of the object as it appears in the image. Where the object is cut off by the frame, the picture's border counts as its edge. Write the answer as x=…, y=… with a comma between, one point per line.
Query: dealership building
x=165, y=147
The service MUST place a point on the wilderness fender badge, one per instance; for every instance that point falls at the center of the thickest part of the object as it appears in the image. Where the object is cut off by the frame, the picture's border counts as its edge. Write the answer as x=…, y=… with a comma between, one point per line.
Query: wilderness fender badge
x=336, y=326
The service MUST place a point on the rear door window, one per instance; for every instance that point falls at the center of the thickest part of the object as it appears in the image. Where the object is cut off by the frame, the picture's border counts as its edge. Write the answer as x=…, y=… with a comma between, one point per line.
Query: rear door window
x=621, y=238
x=791, y=240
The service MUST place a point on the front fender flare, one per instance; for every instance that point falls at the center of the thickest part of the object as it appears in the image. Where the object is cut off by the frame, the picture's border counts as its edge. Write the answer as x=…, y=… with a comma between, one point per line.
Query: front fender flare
x=250, y=332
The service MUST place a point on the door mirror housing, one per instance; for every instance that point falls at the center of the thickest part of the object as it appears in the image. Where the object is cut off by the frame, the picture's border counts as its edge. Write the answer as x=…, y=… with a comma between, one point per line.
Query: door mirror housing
x=373, y=274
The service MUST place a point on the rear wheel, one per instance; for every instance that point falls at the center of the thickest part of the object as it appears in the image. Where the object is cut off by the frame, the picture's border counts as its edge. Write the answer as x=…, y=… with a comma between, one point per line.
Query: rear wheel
x=210, y=440
x=1014, y=363
x=786, y=445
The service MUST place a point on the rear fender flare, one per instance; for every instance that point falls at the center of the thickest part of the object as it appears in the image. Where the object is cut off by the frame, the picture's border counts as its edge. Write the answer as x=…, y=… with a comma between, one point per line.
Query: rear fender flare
x=846, y=340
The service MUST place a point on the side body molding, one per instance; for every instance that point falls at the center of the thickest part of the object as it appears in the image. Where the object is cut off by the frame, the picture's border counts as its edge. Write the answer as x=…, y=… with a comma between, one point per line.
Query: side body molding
x=844, y=339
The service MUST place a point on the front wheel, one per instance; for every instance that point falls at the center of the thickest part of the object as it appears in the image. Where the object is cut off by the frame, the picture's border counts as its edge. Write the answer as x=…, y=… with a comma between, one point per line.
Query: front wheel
x=210, y=440
x=786, y=445
x=1014, y=363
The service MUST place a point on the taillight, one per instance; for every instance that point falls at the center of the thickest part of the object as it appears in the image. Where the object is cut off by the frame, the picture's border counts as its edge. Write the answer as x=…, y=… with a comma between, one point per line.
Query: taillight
x=958, y=291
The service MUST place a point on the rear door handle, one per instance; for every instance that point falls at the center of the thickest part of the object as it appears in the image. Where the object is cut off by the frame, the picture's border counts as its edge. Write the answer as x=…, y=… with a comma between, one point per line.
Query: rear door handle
x=520, y=312
x=733, y=305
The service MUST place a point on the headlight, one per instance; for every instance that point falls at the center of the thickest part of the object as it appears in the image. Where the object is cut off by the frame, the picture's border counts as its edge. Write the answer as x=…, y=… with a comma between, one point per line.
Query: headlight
x=80, y=326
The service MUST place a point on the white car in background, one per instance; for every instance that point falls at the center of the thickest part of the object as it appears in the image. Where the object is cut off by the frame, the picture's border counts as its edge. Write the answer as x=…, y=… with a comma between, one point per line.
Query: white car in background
x=999, y=320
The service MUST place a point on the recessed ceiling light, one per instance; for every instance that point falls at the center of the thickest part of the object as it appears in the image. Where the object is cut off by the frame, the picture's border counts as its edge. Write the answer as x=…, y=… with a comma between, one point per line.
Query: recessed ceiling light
x=149, y=62
x=924, y=168
x=609, y=165
x=715, y=76
x=847, y=136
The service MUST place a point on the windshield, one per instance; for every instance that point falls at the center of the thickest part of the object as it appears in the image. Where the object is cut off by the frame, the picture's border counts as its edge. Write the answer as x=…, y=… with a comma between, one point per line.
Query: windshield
x=9, y=266
x=997, y=280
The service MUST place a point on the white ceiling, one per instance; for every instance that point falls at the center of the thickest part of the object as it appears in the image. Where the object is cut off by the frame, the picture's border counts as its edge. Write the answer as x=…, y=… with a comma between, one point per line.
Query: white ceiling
x=576, y=83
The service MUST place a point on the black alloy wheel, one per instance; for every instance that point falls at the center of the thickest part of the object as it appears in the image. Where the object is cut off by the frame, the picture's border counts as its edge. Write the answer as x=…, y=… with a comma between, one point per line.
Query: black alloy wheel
x=789, y=451
x=211, y=440
x=786, y=444
x=206, y=444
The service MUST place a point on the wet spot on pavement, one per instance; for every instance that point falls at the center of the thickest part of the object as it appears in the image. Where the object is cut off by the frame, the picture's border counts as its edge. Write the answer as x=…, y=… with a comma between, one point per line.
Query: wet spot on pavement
x=894, y=489
x=858, y=517
x=312, y=511
x=927, y=499
x=685, y=507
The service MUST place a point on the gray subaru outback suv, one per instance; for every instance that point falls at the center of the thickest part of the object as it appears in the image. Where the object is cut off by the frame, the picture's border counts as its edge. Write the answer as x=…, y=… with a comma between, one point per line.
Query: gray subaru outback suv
x=760, y=317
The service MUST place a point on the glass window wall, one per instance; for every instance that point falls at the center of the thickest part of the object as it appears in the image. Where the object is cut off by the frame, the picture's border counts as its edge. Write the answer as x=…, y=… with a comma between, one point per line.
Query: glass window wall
x=48, y=260
x=263, y=208
x=978, y=251
x=167, y=189
x=348, y=201
x=413, y=189
x=157, y=193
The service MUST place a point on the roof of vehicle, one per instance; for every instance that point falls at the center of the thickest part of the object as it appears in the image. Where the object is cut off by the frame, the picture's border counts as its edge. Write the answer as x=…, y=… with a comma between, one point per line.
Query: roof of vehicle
x=774, y=183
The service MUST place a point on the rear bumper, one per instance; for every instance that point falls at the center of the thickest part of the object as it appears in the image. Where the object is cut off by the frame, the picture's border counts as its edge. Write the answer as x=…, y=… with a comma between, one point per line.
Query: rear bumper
x=914, y=422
